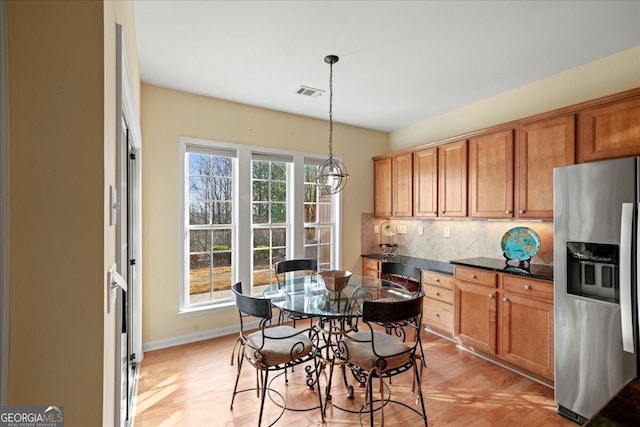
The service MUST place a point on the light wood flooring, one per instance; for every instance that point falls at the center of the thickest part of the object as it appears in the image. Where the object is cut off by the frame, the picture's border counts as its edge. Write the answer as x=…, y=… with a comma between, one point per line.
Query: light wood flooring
x=191, y=385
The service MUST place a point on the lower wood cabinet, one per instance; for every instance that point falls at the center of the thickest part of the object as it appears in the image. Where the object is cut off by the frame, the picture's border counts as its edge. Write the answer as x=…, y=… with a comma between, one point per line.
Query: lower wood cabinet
x=527, y=333
x=370, y=267
x=437, y=313
x=475, y=316
x=506, y=316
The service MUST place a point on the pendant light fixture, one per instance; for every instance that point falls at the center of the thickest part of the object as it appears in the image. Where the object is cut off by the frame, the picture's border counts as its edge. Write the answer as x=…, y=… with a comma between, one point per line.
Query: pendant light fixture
x=332, y=175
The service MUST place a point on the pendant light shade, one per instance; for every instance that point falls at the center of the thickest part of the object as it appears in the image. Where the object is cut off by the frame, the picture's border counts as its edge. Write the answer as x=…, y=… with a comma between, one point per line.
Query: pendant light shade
x=332, y=175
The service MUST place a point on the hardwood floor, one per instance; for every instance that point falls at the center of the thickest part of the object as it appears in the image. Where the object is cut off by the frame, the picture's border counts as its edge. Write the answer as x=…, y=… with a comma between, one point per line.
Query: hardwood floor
x=191, y=385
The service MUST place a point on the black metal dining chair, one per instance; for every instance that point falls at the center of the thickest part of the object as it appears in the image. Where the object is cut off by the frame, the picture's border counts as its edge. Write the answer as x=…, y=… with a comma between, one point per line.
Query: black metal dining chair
x=371, y=354
x=272, y=348
x=406, y=275
x=410, y=277
x=305, y=266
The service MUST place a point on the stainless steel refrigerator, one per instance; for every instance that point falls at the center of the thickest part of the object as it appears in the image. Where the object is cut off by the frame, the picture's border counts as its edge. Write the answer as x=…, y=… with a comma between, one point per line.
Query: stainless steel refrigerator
x=595, y=276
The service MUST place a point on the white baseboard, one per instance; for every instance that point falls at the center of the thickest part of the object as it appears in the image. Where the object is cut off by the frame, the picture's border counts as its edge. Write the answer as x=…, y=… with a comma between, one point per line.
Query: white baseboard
x=194, y=337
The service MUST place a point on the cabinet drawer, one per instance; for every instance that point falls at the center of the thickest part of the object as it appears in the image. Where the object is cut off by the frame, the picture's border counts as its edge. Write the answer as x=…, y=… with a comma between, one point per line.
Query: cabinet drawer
x=527, y=287
x=479, y=277
x=371, y=264
x=438, y=293
x=438, y=315
x=437, y=279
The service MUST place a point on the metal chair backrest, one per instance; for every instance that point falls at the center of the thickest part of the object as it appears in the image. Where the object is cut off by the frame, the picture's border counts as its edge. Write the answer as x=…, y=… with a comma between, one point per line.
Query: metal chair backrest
x=252, y=306
x=400, y=269
x=390, y=312
x=283, y=267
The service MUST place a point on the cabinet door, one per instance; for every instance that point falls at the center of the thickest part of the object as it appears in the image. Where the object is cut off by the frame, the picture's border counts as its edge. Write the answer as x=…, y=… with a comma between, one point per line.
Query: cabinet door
x=527, y=334
x=540, y=147
x=609, y=131
x=452, y=181
x=370, y=267
x=491, y=175
x=425, y=183
x=402, y=197
x=475, y=316
x=382, y=187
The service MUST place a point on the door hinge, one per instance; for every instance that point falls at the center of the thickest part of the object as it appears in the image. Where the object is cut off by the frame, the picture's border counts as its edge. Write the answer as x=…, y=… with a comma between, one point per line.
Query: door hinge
x=132, y=262
x=132, y=156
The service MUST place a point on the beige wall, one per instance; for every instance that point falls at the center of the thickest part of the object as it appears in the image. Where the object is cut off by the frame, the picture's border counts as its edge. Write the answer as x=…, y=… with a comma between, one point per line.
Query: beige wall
x=61, y=142
x=169, y=114
x=609, y=75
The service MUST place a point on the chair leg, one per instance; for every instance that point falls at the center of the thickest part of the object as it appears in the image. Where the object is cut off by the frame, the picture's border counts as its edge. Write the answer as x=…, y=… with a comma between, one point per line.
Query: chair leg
x=264, y=393
x=424, y=361
x=370, y=391
x=235, y=388
x=416, y=374
x=317, y=369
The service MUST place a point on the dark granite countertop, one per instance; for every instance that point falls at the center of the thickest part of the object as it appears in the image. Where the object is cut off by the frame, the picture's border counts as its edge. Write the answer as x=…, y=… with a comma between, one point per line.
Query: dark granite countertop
x=425, y=264
x=534, y=271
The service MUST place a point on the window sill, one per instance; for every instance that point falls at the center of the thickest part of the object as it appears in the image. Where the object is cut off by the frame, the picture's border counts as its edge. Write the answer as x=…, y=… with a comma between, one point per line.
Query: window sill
x=207, y=309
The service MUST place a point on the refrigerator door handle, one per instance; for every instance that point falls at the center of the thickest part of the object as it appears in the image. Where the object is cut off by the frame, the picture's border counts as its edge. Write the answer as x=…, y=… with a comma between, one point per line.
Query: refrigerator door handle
x=625, y=277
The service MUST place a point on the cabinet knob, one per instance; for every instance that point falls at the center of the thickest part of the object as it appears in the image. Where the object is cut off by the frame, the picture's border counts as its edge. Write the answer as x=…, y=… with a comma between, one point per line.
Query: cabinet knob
x=527, y=287
x=436, y=279
x=522, y=211
x=507, y=212
x=491, y=296
x=438, y=293
x=436, y=212
x=473, y=276
x=505, y=299
x=437, y=314
x=442, y=211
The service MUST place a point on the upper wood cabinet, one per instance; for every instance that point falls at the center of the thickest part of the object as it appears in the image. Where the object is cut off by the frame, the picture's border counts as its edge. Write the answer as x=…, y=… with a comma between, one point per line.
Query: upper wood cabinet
x=609, y=131
x=425, y=183
x=393, y=186
x=402, y=197
x=382, y=187
x=540, y=147
x=452, y=179
x=491, y=175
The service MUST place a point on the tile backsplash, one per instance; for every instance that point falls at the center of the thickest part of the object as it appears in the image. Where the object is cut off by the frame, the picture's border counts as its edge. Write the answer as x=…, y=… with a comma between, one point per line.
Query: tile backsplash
x=468, y=238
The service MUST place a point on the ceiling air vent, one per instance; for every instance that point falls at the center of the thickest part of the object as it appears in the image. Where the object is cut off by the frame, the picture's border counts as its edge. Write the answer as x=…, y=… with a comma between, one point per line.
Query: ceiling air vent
x=309, y=91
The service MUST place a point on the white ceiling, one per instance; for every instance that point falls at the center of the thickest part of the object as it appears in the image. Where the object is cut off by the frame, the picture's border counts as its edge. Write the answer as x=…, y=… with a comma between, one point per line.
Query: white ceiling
x=401, y=62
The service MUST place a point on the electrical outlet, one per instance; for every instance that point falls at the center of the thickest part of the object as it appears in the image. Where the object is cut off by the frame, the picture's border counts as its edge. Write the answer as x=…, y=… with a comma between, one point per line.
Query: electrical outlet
x=404, y=229
x=376, y=229
x=420, y=231
x=447, y=232
x=399, y=229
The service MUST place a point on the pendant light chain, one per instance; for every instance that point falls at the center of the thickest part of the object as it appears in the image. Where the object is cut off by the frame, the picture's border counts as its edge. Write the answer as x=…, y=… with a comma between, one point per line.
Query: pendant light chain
x=332, y=175
x=331, y=111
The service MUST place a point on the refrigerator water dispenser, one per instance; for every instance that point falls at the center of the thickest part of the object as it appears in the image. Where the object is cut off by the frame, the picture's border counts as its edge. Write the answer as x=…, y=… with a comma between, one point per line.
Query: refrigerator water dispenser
x=592, y=270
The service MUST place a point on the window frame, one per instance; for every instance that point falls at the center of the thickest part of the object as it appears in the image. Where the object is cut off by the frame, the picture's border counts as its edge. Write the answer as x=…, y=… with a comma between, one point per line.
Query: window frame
x=242, y=233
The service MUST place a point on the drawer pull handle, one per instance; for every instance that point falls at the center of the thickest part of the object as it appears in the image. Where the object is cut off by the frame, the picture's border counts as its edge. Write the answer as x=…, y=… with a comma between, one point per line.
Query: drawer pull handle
x=491, y=296
x=505, y=299
x=527, y=287
x=473, y=276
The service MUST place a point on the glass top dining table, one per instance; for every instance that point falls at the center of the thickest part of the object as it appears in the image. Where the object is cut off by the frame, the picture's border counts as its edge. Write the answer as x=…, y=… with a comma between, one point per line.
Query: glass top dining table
x=307, y=295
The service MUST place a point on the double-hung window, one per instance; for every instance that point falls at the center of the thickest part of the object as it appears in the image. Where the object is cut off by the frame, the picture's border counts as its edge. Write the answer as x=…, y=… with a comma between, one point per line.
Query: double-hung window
x=246, y=208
